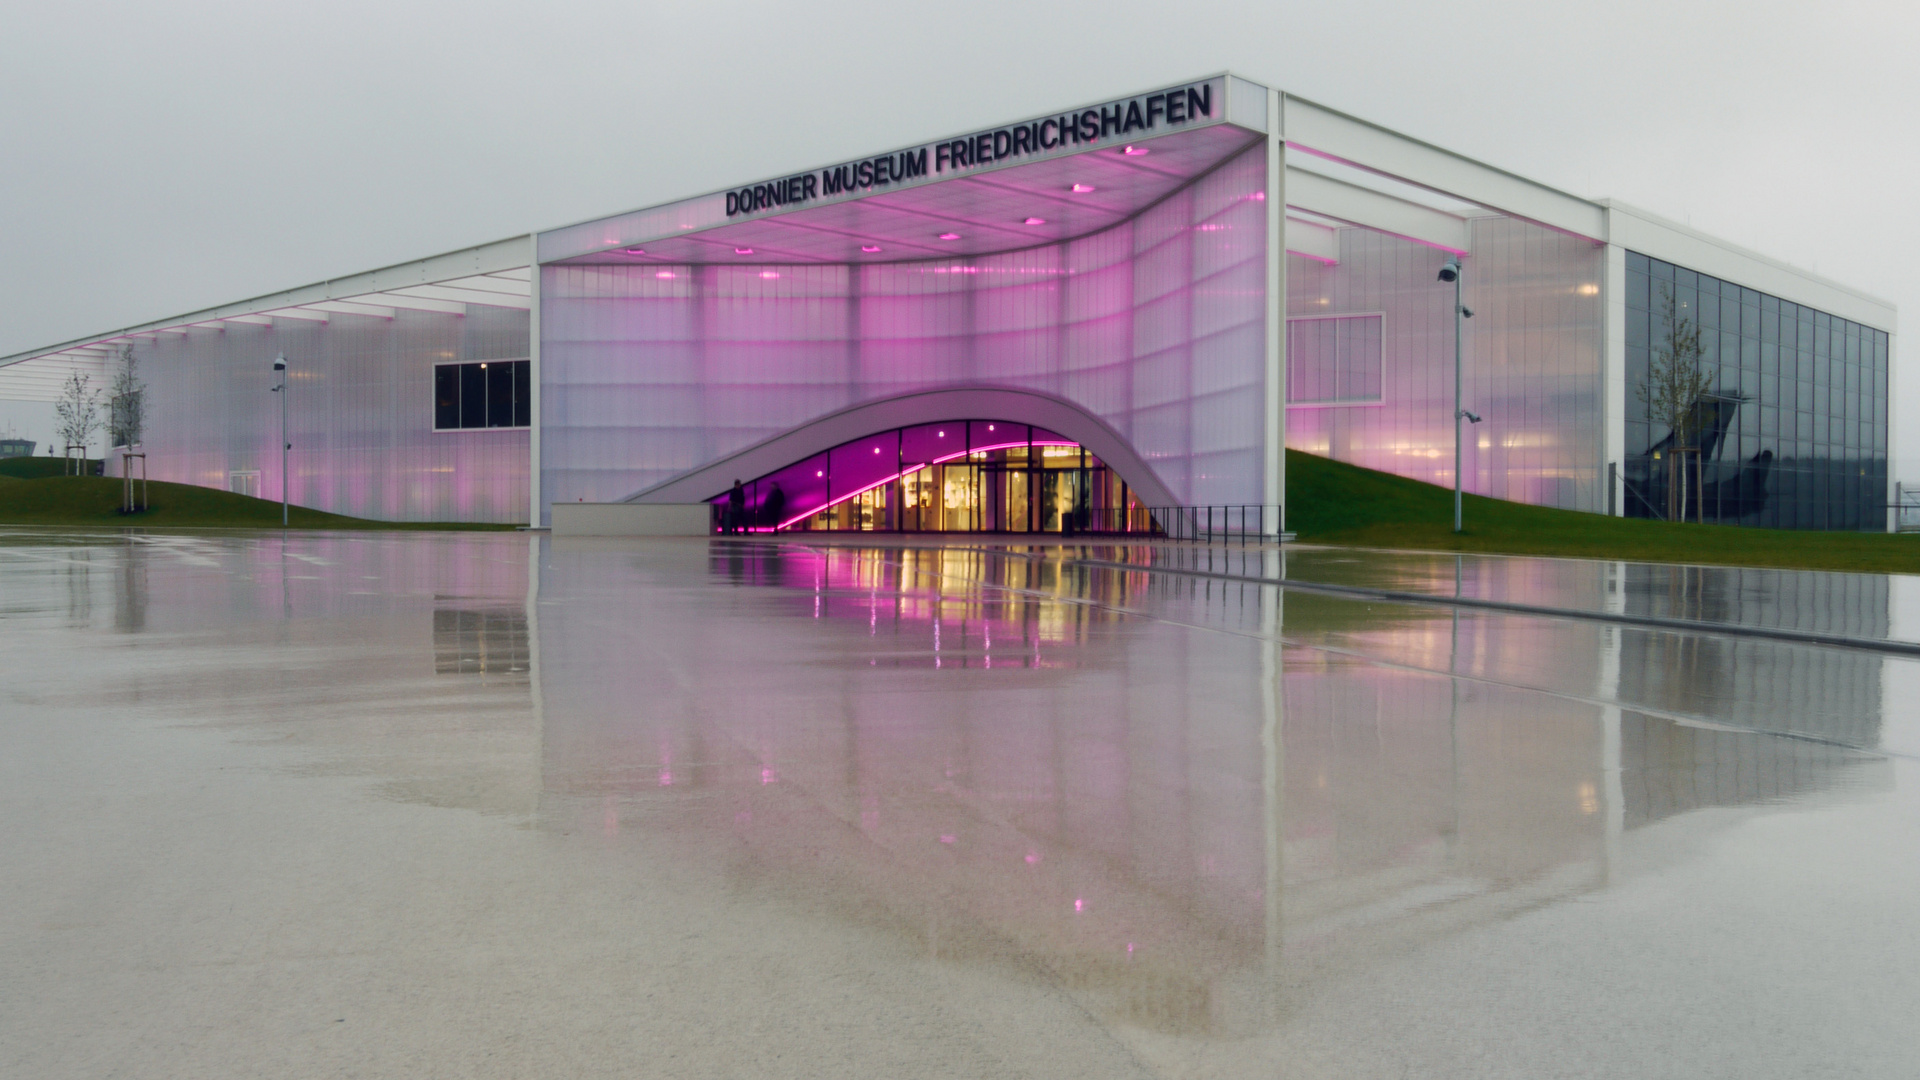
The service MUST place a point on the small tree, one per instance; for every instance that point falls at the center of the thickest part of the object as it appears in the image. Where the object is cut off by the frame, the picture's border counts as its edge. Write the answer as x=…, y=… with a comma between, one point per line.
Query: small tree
x=127, y=410
x=78, y=409
x=1672, y=390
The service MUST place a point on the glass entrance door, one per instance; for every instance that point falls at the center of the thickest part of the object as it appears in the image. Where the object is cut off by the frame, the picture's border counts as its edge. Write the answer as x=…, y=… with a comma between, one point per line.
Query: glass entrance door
x=958, y=476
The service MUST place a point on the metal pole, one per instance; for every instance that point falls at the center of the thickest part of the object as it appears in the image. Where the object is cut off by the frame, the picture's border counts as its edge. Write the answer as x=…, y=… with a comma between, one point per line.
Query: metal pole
x=1457, y=365
x=281, y=365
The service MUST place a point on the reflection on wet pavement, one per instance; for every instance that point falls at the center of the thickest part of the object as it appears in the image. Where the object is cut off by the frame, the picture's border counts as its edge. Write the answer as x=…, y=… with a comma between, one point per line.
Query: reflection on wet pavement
x=828, y=809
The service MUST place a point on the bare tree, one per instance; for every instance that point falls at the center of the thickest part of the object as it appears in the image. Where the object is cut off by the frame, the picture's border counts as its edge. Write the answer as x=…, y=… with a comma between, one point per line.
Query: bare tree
x=1675, y=383
x=127, y=408
x=78, y=409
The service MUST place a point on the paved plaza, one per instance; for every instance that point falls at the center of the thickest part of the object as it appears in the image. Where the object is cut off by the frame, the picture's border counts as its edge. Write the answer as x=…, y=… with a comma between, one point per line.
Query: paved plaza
x=508, y=805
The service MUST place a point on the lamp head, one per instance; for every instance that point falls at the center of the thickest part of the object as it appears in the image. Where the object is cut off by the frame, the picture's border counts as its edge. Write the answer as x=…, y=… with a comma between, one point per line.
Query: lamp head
x=279, y=363
x=1451, y=271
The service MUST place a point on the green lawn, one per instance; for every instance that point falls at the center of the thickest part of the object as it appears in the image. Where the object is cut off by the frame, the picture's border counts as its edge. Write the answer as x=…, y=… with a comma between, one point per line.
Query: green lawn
x=94, y=500
x=1333, y=503
x=1329, y=503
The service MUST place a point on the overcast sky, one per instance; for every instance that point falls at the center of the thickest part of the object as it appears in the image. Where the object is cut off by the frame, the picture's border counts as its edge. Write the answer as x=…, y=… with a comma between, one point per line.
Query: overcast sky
x=159, y=158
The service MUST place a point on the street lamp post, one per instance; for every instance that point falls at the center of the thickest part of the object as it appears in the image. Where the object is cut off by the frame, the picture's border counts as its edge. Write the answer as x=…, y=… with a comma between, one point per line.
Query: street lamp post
x=280, y=368
x=1451, y=273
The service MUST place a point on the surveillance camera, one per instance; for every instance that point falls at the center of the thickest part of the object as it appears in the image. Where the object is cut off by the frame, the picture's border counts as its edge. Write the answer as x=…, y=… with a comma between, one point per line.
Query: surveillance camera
x=1451, y=271
x=1472, y=417
x=1466, y=311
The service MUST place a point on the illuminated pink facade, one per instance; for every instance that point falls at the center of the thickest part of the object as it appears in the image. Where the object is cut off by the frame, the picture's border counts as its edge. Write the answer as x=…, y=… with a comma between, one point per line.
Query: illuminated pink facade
x=1153, y=325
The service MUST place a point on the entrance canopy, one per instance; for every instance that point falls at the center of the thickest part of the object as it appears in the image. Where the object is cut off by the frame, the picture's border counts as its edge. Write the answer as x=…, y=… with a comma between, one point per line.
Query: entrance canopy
x=1041, y=181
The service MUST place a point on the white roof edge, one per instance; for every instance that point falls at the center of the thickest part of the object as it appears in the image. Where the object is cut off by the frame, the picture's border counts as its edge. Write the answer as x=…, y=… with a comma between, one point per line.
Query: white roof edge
x=1642, y=235
x=1421, y=146
x=510, y=253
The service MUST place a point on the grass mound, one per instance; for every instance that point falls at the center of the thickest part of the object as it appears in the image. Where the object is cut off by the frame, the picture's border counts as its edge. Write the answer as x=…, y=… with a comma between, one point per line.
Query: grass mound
x=95, y=500
x=1335, y=503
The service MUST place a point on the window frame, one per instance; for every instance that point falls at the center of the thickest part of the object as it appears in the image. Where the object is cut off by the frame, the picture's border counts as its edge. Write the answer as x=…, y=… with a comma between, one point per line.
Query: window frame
x=1338, y=403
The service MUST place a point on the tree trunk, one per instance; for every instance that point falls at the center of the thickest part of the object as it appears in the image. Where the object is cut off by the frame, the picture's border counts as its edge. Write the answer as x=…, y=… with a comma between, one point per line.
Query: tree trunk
x=1673, y=486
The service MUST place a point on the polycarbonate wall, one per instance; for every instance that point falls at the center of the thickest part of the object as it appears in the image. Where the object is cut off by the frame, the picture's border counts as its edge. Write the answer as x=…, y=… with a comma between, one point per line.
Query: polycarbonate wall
x=1155, y=326
x=360, y=415
x=1533, y=370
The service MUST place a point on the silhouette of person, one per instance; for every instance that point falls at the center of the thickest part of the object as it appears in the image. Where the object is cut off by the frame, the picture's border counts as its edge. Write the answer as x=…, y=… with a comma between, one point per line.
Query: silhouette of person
x=775, y=508
x=736, y=509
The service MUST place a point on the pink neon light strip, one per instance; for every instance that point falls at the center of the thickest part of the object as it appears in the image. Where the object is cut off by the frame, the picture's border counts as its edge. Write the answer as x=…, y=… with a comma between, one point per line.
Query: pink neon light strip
x=936, y=461
x=844, y=498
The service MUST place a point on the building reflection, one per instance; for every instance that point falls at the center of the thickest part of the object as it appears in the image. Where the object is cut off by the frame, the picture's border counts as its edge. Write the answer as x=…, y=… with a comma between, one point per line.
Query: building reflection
x=1181, y=824
x=489, y=640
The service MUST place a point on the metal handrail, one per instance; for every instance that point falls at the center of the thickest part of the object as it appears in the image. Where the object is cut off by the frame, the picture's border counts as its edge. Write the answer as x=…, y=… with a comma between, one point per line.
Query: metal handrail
x=1224, y=523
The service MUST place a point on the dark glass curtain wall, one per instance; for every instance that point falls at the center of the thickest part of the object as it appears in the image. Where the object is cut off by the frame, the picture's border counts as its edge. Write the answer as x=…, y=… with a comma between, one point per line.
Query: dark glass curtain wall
x=1792, y=433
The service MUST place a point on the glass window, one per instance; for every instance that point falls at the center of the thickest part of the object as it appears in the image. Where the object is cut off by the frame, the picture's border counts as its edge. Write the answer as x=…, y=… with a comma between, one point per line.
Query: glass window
x=1334, y=359
x=473, y=396
x=446, y=396
x=1639, y=287
x=522, y=394
x=482, y=394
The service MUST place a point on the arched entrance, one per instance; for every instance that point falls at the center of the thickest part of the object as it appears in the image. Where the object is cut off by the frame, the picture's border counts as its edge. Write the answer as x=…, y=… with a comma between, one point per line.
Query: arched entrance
x=974, y=475
x=1009, y=460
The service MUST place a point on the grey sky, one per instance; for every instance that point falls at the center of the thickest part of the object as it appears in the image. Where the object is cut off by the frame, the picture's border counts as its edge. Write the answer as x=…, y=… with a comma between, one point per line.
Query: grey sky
x=160, y=157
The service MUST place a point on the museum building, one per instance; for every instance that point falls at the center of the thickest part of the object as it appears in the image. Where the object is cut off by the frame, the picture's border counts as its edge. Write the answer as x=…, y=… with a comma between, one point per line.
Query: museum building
x=1081, y=321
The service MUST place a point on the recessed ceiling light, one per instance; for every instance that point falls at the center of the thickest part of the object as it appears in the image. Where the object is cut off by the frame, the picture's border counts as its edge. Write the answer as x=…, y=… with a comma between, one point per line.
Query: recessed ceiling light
x=1082, y=189
x=665, y=275
x=1036, y=221
x=949, y=236
x=743, y=251
x=769, y=274
x=869, y=248
x=636, y=251
x=1136, y=151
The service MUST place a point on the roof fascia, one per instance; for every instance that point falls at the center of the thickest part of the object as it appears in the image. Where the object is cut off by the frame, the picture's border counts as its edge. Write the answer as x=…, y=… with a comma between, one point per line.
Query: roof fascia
x=1316, y=129
x=1669, y=241
x=1369, y=209
x=511, y=253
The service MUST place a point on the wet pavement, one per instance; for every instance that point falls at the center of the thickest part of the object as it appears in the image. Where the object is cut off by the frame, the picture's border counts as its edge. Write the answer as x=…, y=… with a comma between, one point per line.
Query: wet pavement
x=504, y=805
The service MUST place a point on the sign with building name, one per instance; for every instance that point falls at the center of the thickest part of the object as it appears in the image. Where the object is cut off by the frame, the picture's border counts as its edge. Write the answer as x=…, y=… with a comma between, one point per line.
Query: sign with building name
x=1141, y=117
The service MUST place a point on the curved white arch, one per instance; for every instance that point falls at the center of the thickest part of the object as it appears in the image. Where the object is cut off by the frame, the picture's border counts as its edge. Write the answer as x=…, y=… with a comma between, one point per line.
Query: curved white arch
x=923, y=407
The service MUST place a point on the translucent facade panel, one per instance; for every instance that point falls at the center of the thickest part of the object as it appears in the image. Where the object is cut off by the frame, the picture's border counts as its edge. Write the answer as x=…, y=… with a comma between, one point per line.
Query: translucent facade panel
x=1792, y=431
x=1533, y=361
x=361, y=412
x=1155, y=325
